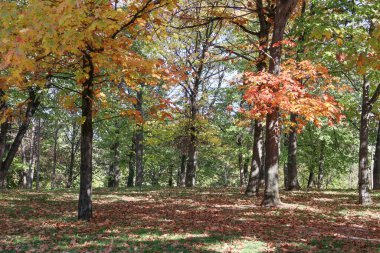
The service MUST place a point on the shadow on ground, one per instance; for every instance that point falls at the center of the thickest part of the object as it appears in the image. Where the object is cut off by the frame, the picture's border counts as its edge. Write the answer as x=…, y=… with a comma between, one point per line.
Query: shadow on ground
x=183, y=220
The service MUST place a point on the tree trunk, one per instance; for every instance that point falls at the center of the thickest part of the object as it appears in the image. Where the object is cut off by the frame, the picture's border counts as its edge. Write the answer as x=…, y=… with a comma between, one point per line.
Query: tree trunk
x=182, y=171
x=170, y=181
x=321, y=165
x=23, y=175
x=32, y=157
x=191, y=163
x=240, y=160
x=32, y=105
x=114, y=172
x=53, y=177
x=74, y=144
x=292, y=157
x=256, y=163
x=376, y=162
x=256, y=174
x=246, y=170
x=271, y=192
x=286, y=176
x=139, y=144
x=85, y=191
x=38, y=153
x=192, y=144
x=3, y=139
x=131, y=164
x=310, y=179
x=364, y=196
x=283, y=10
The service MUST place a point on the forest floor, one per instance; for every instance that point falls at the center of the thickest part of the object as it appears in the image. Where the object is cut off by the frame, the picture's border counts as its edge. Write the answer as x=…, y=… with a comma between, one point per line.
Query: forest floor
x=188, y=220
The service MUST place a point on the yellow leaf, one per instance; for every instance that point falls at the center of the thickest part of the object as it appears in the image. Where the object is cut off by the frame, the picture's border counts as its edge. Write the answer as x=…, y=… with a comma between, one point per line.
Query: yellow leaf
x=339, y=41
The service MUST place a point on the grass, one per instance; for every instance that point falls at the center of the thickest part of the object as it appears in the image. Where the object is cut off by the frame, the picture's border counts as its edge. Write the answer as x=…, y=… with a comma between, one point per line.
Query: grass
x=188, y=220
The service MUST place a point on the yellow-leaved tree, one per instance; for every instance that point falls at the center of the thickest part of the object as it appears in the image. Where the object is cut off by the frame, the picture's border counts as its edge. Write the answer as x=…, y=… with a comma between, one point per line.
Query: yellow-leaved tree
x=88, y=42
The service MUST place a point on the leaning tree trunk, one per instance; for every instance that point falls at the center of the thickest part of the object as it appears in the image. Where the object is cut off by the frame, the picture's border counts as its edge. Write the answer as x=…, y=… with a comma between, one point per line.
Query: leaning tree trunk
x=364, y=184
x=283, y=10
x=310, y=179
x=256, y=163
x=85, y=191
x=3, y=138
x=139, y=154
x=376, y=166
x=292, y=182
x=33, y=103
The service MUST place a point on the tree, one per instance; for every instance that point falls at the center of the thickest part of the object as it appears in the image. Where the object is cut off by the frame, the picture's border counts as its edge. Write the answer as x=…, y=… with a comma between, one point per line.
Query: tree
x=32, y=103
x=198, y=57
x=287, y=91
x=355, y=56
x=376, y=163
x=95, y=47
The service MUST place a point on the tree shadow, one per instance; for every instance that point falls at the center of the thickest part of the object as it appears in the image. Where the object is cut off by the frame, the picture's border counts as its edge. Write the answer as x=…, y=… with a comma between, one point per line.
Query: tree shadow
x=176, y=220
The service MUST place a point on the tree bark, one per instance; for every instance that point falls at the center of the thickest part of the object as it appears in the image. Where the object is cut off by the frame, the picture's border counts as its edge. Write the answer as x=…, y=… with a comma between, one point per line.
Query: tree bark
x=3, y=138
x=264, y=14
x=32, y=157
x=85, y=191
x=271, y=192
x=283, y=10
x=55, y=147
x=256, y=163
x=139, y=144
x=23, y=175
x=292, y=157
x=364, y=185
x=182, y=171
x=191, y=163
x=240, y=160
x=376, y=158
x=192, y=144
x=131, y=164
x=310, y=179
x=170, y=181
x=321, y=165
x=201, y=48
x=114, y=172
x=38, y=153
x=32, y=105
x=74, y=144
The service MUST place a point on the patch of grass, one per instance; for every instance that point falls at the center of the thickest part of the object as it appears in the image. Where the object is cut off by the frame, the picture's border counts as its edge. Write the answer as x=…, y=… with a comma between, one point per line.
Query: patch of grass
x=327, y=244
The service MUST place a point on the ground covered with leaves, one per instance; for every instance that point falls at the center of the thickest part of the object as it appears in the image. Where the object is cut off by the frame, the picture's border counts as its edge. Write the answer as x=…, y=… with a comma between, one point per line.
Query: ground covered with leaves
x=183, y=220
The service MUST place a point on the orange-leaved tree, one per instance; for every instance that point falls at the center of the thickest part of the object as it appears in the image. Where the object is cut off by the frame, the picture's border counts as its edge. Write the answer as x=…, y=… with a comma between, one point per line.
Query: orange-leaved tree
x=301, y=88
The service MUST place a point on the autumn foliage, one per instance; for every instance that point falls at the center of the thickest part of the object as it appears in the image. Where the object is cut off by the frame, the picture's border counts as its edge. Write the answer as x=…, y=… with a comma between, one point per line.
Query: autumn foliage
x=301, y=88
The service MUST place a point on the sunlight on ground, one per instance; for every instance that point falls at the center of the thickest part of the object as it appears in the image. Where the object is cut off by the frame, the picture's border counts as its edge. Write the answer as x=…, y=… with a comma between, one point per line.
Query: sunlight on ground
x=182, y=220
